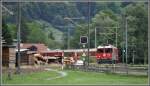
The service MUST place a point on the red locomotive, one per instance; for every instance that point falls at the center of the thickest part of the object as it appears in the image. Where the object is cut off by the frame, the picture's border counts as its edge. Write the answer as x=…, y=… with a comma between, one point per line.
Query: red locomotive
x=107, y=54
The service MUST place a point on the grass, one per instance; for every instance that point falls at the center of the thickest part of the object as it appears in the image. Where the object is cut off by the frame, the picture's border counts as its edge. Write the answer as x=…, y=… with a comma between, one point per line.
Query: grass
x=76, y=77
x=32, y=78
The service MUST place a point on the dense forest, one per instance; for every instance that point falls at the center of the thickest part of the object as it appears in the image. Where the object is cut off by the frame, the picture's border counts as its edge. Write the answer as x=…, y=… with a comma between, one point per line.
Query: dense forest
x=46, y=23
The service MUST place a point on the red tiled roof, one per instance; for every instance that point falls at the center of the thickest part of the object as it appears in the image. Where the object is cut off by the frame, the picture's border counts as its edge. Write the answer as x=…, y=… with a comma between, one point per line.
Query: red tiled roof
x=40, y=47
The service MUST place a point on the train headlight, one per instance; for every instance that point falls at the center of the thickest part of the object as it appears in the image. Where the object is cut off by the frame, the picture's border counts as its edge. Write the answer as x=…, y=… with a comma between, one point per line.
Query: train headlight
x=104, y=54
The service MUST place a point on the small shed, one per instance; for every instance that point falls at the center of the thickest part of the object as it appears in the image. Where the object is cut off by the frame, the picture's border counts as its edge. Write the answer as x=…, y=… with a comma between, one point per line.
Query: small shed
x=31, y=57
x=8, y=55
x=23, y=56
x=26, y=57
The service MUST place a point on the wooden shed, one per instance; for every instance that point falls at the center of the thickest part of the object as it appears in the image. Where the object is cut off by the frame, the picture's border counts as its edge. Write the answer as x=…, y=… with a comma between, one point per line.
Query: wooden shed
x=26, y=57
x=8, y=55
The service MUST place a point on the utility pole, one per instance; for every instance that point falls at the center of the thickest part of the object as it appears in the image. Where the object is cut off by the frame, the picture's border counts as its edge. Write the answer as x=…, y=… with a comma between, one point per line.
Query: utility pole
x=1, y=39
x=149, y=38
x=126, y=43
x=133, y=58
x=116, y=37
x=89, y=16
x=68, y=43
x=10, y=62
x=18, y=38
x=123, y=54
x=95, y=38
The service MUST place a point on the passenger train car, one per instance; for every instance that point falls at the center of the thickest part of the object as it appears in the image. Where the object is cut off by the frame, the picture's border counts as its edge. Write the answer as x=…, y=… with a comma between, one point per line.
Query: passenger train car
x=107, y=54
x=103, y=54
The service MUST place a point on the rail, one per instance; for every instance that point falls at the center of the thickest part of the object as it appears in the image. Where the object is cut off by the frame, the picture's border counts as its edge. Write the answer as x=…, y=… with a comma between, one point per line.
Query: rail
x=109, y=69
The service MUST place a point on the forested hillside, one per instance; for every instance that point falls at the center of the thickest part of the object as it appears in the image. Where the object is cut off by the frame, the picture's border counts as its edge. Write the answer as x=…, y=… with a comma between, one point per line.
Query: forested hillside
x=51, y=16
x=46, y=23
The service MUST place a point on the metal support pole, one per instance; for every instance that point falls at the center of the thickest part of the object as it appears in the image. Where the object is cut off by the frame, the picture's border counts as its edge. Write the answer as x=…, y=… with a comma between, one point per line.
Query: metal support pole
x=88, y=31
x=123, y=55
x=95, y=38
x=1, y=39
x=68, y=43
x=116, y=37
x=123, y=37
x=149, y=39
x=18, y=37
x=133, y=58
x=126, y=41
x=10, y=63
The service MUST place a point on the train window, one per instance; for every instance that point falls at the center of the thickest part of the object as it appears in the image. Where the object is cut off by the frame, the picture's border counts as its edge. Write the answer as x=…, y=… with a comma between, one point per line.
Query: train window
x=100, y=50
x=108, y=50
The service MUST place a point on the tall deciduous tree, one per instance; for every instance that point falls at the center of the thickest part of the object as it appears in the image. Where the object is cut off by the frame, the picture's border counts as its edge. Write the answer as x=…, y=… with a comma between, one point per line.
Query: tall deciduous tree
x=24, y=30
x=138, y=25
x=6, y=34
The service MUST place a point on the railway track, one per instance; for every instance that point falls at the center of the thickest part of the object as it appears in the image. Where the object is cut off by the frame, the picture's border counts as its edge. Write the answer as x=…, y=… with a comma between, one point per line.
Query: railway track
x=122, y=69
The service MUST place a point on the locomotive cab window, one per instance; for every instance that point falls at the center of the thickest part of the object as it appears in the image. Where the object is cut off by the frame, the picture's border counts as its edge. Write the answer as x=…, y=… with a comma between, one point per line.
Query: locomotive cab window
x=100, y=50
x=108, y=50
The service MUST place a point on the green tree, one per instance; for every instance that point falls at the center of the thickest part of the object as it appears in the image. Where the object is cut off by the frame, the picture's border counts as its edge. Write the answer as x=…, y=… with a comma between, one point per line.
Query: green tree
x=50, y=35
x=24, y=30
x=137, y=28
x=36, y=35
x=6, y=34
x=102, y=20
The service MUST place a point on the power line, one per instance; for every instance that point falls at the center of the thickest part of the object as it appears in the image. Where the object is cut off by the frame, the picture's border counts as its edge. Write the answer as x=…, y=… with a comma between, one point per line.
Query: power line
x=106, y=33
x=10, y=12
x=72, y=22
x=76, y=1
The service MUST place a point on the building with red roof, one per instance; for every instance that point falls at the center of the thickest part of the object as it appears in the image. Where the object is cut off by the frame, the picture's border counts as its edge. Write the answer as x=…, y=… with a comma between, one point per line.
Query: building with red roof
x=37, y=47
